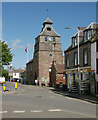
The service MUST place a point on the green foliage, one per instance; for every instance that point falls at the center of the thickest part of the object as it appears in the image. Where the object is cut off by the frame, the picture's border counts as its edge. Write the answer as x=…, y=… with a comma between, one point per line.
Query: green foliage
x=6, y=54
x=5, y=73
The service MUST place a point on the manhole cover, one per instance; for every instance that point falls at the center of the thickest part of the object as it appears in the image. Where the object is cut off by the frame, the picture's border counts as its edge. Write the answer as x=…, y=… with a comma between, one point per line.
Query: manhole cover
x=39, y=96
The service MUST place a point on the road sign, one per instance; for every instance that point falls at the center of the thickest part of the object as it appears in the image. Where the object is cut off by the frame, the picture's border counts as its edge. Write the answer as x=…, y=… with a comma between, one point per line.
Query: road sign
x=10, y=72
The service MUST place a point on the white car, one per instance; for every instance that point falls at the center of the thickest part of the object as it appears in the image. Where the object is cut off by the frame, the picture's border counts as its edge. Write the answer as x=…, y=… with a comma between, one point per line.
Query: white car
x=2, y=79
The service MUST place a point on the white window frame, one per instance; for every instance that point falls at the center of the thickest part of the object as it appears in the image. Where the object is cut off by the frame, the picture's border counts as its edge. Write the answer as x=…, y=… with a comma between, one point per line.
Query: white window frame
x=89, y=34
x=73, y=42
x=85, y=56
x=85, y=36
x=75, y=58
x=67, y=61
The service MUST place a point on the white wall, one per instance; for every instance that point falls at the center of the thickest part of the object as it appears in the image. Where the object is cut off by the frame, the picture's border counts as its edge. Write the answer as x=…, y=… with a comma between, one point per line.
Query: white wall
x=15, y=75
x=93, y=56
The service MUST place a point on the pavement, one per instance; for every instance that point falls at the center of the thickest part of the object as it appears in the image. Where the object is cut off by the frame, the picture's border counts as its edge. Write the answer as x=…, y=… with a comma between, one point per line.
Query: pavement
x=88, y=98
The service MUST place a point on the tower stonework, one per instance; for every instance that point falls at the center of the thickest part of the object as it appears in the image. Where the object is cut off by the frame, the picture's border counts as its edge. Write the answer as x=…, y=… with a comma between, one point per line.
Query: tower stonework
x=47, y=49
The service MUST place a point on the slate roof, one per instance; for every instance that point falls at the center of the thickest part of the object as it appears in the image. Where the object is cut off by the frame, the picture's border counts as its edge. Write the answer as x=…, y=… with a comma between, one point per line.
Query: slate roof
x=45, y=32
x=48, y=21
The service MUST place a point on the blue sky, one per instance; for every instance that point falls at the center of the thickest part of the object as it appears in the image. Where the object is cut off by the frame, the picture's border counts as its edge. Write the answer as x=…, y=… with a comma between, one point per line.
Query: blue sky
x=22, y=23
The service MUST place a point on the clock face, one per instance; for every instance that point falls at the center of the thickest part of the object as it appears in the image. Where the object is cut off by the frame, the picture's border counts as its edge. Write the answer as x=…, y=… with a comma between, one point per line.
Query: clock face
x=49, y=38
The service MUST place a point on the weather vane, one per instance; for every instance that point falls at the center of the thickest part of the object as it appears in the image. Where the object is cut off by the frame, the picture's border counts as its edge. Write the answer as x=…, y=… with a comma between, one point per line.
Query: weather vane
x=47, y=12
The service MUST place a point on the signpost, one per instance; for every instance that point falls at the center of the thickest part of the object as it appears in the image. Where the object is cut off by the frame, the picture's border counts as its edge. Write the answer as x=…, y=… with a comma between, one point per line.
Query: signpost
x=10, y=73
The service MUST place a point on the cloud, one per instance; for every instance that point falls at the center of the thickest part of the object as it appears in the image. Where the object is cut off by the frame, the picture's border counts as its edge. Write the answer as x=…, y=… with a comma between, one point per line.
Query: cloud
x=16, y=44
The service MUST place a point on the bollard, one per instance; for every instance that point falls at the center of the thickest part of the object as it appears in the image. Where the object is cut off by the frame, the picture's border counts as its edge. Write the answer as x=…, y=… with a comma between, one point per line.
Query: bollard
x=16, y=85
x=4, y=86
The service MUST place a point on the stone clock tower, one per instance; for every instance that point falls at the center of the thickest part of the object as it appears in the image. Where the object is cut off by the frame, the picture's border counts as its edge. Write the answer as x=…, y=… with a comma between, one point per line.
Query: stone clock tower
x=47, y=49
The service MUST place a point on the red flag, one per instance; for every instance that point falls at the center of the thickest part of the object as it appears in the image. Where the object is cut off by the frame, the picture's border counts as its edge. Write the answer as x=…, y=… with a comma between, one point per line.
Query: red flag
x=26, y=49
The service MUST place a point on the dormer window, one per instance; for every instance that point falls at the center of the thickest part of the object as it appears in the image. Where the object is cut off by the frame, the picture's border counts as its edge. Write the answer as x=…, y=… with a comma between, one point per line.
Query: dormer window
x=48, y=29
x=87, y=35
x=75, y=39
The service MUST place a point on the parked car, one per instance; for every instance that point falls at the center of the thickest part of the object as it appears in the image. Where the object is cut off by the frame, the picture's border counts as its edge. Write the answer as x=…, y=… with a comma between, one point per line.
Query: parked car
x=12, y=80
x=16, y=80
x=2, y=80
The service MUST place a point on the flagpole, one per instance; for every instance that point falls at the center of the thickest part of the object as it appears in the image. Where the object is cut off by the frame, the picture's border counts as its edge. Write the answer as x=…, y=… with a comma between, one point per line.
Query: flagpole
x=27, y=55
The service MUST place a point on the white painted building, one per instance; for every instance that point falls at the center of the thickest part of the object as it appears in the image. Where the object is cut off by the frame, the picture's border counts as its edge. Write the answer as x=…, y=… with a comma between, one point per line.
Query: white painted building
x=16, y=75
x=94, y=58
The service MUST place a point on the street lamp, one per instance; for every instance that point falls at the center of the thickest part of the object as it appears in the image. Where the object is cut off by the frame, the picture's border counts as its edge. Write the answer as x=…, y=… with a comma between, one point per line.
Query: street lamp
x=78, y=57
x=10, y=71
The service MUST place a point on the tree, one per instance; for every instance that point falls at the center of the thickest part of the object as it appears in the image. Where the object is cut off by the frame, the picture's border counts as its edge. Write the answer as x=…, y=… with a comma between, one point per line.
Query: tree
x=5, y=73
x=5, y=58
x=6, y=54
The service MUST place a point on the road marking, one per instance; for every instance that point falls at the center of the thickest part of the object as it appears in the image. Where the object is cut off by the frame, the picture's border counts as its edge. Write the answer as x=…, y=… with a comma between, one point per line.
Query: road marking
x=78, y=113
x=54, y=110
x=3, y=112
x=36, y=110
x=18, y=111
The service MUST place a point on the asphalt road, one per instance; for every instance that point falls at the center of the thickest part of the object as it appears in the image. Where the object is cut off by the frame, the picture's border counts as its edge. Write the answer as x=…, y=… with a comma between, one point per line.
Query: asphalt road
x=42, y=102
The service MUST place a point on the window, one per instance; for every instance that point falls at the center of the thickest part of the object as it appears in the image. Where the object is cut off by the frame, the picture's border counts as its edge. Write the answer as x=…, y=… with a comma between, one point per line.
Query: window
x=73, y=42
x=75, y=58
x=45, y=38
x=67, y=61
x=53, y=39
x=85, y=36
x=97, y=66
x=89, y=34
x=85, y=56
x=48, y=28
x=97, y=46
x=75, y=39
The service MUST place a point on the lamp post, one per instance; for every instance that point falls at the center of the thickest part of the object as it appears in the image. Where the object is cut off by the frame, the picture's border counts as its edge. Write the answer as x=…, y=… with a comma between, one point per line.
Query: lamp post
x=10, y=71
x=0, y=59
x=78, y=57
x=50, y=76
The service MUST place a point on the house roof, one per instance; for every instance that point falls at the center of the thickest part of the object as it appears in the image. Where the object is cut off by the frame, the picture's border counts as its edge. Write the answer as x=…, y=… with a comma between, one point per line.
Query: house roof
x=68, y=48
x=50, y=33
x=94, y=37
x=48, y=21
x=29, y=61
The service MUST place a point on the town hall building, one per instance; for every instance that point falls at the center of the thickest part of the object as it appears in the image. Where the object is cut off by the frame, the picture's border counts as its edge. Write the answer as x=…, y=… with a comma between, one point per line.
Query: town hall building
x=47, y=49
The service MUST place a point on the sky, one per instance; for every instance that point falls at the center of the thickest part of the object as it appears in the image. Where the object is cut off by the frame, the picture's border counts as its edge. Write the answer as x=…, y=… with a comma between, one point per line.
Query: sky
x=22, y=23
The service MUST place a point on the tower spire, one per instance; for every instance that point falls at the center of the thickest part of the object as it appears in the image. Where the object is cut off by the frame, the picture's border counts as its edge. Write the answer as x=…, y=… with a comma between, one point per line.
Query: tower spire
x=47, y=12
